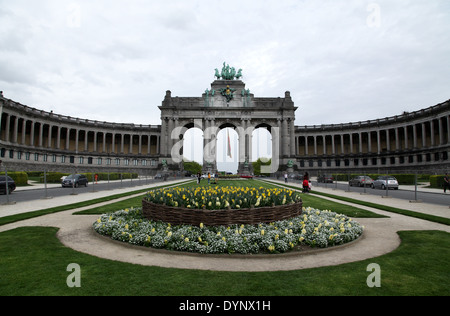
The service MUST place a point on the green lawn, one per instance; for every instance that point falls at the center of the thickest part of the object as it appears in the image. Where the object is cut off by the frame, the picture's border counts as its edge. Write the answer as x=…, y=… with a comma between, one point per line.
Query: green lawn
x=34, y=262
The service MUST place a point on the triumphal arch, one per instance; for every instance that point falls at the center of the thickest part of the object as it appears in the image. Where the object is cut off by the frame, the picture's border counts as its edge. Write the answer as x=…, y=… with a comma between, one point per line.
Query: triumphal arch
x=228, y=103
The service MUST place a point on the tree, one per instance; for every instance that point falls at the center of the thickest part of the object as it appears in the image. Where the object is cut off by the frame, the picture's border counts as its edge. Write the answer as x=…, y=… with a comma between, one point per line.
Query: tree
x=192, y=167
x=257, y=166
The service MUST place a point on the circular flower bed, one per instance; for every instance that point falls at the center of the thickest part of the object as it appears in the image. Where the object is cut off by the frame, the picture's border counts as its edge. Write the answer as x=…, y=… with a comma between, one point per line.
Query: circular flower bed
x=313, y=228
x=215, y=206
x=216, y=198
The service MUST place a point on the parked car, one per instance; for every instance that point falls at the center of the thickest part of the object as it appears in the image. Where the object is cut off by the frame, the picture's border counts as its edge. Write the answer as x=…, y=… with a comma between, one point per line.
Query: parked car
x=381, y=181
x=325, y=178
x=75, y=180
x=158, y=176
x=361, y=181
x=11, y=185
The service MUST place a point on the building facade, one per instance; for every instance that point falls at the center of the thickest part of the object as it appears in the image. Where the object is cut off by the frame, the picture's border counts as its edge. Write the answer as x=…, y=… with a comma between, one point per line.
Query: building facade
x=32, y=139
x=417, y=141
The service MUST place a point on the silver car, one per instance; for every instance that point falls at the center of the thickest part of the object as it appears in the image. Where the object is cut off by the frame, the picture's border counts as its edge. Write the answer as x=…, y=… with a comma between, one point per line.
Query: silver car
x=381, y=181
x=361, y=181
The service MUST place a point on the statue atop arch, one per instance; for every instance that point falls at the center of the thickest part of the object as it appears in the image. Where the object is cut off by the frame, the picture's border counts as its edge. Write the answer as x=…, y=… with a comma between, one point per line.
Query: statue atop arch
x=228, y=73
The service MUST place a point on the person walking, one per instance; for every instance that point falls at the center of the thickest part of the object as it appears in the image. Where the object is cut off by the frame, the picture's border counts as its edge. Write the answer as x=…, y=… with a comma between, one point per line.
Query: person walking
x=446, y=182
x=209, y=178
x=199, y=177
x=305, y=183
x=285, y=177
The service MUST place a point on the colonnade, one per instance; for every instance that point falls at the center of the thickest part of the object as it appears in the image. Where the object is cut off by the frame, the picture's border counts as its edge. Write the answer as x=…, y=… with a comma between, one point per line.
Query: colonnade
x=420, y=138
x=35, y=133
x=417, y=136
x=412, y=138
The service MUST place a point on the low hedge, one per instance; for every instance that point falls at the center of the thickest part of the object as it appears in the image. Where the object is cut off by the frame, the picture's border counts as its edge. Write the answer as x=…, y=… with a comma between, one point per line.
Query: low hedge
x=437, y=181
x=20, y=178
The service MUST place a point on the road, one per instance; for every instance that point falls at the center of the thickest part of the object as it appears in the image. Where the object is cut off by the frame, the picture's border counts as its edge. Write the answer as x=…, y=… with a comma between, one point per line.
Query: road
x=31, y=194
x=407, y=193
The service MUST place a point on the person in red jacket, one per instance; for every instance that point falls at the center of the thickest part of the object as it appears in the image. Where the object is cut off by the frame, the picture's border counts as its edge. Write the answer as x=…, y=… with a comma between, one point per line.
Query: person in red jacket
x=306, y=183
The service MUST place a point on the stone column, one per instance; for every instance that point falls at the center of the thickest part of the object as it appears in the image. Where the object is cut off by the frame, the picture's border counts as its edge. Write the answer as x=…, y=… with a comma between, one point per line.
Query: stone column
x=315, y=145
x=397, y=140
x=24, y=130
x=32, y=133
x=165, y=137
x=360, y=142
x=130, y=147
x=306, y=145
x=448, y=129
x=58, y=138
x=285, y=138
x=113, y=142
x=16, y=129
x=424, y=136
x=333, y=148
x=95, y=141
x=405, y=128
x=158, y=146
x=414, y=136
x=378, y=142
x=292, y=137
x=50, y=129
x=77, y=139
x=441, y=132
x=104, y=142
x=432, y=132
x=8, y=126
x=86, y=138
x=139, y=144
x=41, y=134
x=149, y=146
x=241, y=135
x=351, y=143
x=169, y=136
x=250, y=140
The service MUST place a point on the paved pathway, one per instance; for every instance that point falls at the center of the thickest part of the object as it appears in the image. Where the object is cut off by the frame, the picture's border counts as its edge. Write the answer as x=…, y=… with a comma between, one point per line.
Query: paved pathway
x=380, y=237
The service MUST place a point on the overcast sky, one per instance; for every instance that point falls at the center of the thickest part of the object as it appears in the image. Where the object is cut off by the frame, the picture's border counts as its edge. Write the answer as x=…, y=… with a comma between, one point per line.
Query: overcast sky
x=342, y=61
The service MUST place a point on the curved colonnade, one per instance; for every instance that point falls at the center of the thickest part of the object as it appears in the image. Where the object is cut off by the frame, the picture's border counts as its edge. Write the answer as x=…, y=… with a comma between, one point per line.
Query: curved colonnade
x=31, y=139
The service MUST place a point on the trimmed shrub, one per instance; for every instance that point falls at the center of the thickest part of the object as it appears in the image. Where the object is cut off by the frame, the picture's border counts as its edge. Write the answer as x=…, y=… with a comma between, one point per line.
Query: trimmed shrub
x=437, y=182
x=20, y=178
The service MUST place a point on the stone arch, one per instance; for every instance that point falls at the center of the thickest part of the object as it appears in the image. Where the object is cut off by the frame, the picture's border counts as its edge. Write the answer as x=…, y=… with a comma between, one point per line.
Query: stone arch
x=227, y=154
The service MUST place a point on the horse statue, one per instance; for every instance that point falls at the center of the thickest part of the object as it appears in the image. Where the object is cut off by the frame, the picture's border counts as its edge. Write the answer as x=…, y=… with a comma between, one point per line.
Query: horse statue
x=217, y=75
x=239, y=74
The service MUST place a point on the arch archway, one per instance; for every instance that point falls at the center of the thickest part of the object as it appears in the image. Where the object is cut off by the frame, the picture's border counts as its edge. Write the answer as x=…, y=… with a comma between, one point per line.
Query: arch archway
x=192, y=145
x=261, y=142
x=227, y=149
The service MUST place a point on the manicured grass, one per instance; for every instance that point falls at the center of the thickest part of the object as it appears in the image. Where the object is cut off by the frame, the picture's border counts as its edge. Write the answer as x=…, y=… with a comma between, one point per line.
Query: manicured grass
x=34, y=262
